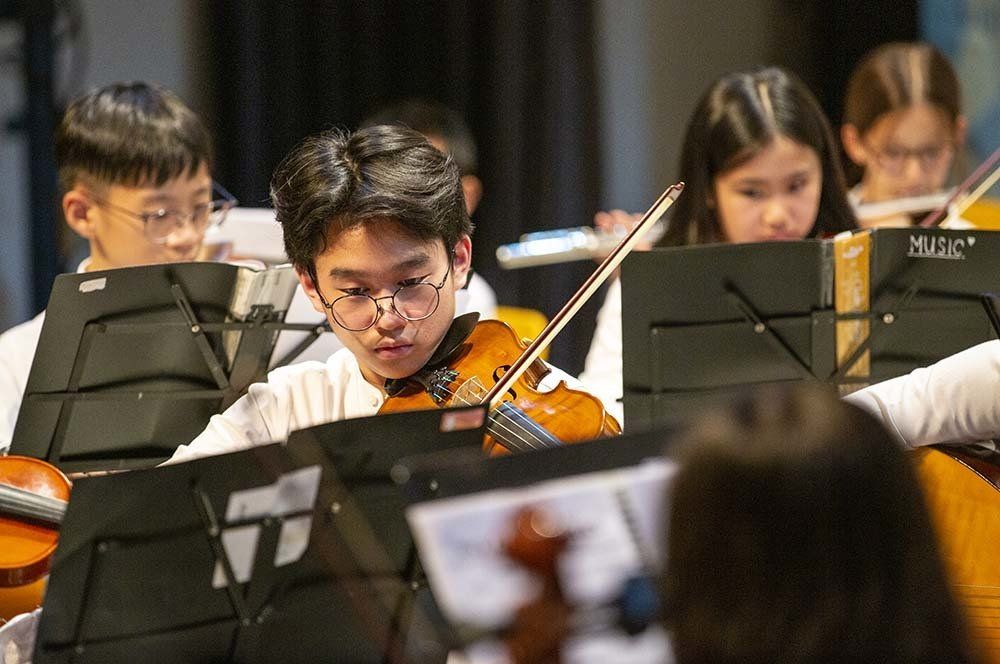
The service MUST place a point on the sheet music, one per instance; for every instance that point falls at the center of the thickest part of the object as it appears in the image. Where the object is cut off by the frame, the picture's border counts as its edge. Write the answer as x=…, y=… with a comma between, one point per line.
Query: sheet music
x=274, y=286
x=460, y=542
x=293, y=492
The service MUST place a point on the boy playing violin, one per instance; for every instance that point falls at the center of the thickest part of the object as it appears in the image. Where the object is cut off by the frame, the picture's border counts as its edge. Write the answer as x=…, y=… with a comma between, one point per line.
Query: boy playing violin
x=376, y=225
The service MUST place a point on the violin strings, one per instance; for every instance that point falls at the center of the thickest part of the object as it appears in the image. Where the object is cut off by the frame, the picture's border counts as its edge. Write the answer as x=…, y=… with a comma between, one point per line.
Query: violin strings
x=525, y=443
x=545, y=438
x=528, y=440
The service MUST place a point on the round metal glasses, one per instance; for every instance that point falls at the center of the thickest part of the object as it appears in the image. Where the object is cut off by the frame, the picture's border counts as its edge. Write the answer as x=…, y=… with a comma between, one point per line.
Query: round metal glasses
x=411, y=302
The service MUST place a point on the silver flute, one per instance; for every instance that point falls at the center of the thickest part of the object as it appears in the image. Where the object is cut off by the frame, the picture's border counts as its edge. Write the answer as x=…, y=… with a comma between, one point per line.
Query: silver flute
x=567, y=244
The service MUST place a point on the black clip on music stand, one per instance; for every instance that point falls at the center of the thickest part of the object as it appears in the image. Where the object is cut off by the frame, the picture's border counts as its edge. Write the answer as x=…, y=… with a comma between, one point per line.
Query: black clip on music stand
x=699, y=322
x=133, y=362
x=145, y=569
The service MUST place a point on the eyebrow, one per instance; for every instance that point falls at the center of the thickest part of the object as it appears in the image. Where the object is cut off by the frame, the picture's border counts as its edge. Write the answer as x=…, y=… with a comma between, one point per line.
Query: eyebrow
x=412, y=263
x=757, y=181
x=163, y=198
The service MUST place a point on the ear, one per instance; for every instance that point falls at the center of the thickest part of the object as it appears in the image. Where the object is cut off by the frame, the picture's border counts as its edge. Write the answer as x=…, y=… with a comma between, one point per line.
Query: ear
x=76, y=205
x=462, y=261
x=473, y=188
x=853, y=146
x=309, y=286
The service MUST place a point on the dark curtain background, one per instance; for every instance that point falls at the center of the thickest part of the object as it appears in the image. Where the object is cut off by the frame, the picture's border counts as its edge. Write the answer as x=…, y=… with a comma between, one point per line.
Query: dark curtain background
x=824, y=42
x=521, y=73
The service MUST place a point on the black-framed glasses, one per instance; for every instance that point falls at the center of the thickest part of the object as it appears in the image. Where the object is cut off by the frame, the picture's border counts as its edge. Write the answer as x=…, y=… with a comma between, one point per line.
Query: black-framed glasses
x=892, y=158
x=159, y=225
x=412, y=302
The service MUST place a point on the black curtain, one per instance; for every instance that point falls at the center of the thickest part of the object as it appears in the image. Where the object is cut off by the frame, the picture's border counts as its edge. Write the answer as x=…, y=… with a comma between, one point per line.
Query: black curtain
x=520, y=71
x=824, y=42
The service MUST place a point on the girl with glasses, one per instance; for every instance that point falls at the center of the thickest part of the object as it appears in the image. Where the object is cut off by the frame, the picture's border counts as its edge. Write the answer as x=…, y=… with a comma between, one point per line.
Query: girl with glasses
x=903, y=126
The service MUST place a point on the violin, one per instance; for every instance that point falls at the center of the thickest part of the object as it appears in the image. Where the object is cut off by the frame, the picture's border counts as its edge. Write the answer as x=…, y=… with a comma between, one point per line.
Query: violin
x=543, y=623
x=33, y=495
x=485, y=363
x=526, y=419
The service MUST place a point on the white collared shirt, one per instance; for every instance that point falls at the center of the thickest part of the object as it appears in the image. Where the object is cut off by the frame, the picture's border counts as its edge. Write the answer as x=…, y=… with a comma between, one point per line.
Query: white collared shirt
x=299, y=396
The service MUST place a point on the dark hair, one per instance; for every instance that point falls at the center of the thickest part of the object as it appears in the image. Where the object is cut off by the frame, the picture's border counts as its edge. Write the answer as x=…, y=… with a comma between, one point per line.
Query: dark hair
x=798, y=533
x=899, y=75
x=741, y=114
x=337, y=180
x=131, y=134
x=434, y=120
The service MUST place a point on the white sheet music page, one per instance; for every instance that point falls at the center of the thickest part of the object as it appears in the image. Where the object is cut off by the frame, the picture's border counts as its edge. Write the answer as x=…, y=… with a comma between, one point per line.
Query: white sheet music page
x=614, y=519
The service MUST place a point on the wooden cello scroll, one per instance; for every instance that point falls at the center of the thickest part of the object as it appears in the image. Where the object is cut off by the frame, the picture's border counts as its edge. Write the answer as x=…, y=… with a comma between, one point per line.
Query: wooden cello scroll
x=540, y=625
x=963, y=497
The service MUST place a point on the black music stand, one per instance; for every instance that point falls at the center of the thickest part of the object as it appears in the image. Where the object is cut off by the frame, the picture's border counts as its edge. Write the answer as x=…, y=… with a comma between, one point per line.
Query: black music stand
x=435, y=475
x=133, y=362
x=700, y=322
x=145, y=566
x=927, y=288
x=369, y=508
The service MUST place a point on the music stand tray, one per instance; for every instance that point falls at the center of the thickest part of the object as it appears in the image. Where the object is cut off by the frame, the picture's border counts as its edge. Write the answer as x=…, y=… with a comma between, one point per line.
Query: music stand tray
x=181, y=563
x=133, y=362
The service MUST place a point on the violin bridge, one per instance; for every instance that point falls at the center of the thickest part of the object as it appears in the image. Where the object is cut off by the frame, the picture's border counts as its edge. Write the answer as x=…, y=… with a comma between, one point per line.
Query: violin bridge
x=470, y=392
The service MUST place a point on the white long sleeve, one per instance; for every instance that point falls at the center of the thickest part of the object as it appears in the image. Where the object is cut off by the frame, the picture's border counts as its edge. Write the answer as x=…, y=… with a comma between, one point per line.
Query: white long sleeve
x=956, y=400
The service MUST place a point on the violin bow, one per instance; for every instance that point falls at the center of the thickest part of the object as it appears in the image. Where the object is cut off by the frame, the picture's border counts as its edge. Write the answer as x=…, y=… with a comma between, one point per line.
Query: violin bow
x=585, y=292
x=939, y=215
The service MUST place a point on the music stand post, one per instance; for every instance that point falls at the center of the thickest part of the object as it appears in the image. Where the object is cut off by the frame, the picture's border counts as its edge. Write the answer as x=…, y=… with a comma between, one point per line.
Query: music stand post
x=133, y=362
x=181, y=563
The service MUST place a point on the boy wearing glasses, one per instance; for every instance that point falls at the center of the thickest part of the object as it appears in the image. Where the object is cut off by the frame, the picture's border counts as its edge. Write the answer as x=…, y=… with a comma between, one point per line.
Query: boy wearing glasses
x=376, y=225
x=134, y=166
x=446, y=131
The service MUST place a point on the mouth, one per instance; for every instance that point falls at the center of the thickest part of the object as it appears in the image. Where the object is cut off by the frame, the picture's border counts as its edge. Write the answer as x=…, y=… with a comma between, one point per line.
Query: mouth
x=393, y=351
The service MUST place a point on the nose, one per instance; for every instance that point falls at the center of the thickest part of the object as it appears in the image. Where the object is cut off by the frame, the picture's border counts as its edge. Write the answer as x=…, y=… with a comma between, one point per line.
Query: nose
x=185, y=234
x=388, y=318
x=776, y=213
x=913, y=170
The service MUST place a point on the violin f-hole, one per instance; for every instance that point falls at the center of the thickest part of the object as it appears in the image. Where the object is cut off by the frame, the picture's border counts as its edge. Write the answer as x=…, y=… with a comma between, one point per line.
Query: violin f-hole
x=498, y=374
